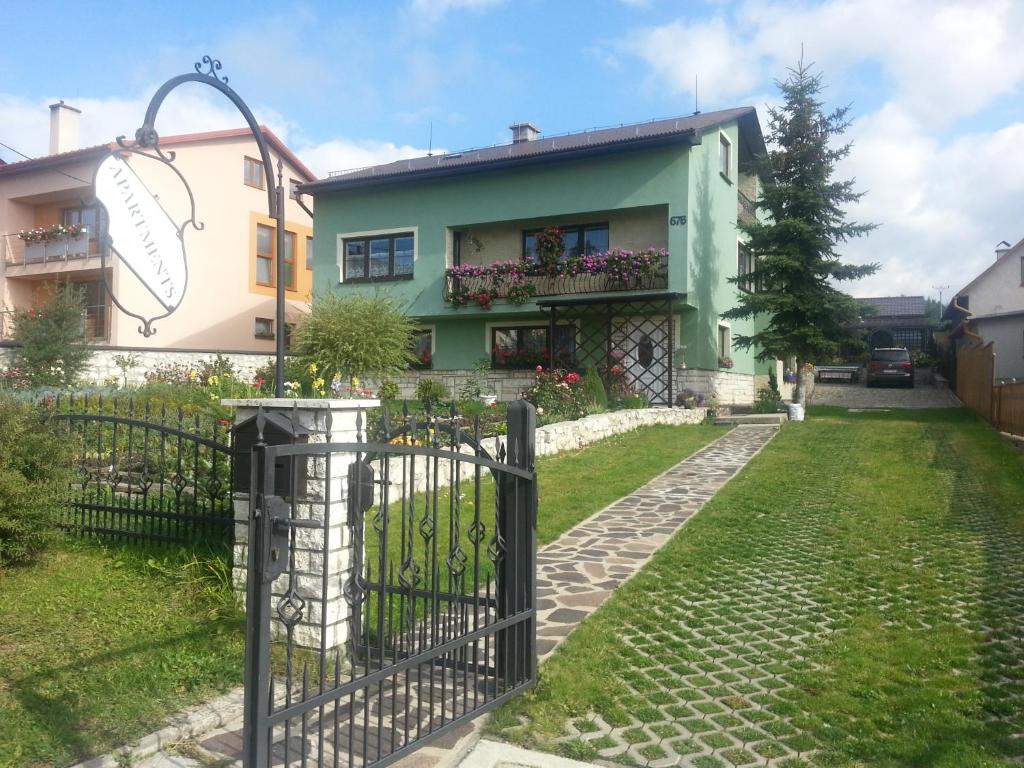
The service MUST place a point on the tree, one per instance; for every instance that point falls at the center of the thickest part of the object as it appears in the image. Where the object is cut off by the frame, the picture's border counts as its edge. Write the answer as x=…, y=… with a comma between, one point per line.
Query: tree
x=52, y=349
x=354, y=336
x=796, y=261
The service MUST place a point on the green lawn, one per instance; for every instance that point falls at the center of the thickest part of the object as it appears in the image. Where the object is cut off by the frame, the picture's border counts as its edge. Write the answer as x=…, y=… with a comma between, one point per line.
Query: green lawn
x=99, y=645
x=854, y=597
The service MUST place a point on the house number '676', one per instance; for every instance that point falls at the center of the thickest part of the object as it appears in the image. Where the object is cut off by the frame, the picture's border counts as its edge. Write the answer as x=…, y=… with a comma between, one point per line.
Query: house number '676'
x=677, y=221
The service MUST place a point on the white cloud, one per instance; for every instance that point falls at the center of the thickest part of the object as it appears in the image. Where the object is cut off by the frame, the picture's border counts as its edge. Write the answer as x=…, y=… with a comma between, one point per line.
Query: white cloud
x=186, y=110
x=942, y=206
x=943, y=200
x=343, y=154
x=26, y=124
x=709, y=51
x=433, y=9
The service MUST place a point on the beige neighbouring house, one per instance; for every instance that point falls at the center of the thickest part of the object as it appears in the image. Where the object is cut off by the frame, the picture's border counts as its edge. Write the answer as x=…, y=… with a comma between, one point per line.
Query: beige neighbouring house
x=229, y=304
x=990, y=309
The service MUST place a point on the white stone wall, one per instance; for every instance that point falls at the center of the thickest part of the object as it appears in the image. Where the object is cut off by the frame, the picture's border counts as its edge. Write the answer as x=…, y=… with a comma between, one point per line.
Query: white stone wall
x=507, y=385
x=728, y=387
x=102, y=366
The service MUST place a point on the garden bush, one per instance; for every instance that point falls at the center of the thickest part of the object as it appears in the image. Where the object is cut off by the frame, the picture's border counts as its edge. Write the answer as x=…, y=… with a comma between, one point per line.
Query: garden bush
x=431, y=393
x=557, y=395
x=35, y=473
x=388, y=391
x=353, y=336
x=51, y=349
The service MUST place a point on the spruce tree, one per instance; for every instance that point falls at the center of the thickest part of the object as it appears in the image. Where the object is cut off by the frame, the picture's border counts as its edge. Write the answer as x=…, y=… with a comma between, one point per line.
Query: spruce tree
x=795, y=246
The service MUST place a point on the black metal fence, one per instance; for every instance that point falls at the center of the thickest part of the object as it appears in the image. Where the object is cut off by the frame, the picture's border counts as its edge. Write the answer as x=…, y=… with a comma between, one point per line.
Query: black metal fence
x=146, y=472
x=357, y=659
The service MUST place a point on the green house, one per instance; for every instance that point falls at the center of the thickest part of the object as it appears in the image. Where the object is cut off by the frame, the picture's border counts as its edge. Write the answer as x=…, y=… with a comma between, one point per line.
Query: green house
x=633, y=282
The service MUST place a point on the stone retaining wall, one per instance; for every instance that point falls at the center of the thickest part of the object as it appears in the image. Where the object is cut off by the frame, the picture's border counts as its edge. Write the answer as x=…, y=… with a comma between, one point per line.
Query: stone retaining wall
x=102, y=367
x=728, y=387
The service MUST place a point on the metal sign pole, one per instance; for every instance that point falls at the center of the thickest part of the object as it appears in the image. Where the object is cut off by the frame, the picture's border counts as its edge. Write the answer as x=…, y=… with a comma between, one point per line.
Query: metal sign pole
x=279, y=337
x=207, y=73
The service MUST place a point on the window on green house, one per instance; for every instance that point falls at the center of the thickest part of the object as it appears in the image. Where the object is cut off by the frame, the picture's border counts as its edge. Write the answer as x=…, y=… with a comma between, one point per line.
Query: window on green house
x=383, y=257
x=724, y=156
x=578, y=239
x=745, y=265
x=528, y=347
x=423, y=347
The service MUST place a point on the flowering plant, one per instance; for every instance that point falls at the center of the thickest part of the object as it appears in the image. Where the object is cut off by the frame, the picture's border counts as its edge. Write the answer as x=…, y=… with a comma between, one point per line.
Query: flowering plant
x=725, y=362
x=54, y=232
x=550, y=250
x=557, y=394
x=484, y=300
x=511, y=279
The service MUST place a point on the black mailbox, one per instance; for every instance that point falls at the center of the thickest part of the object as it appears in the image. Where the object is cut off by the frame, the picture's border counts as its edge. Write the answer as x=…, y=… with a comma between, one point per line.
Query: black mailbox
x=277, y=430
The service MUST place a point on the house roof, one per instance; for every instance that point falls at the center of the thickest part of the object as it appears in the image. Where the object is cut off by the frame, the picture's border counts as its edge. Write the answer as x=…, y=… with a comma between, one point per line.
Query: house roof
x=1016, y=249
x=567, y=146
x=48, y=161
x=90, y=153
x=897, y=306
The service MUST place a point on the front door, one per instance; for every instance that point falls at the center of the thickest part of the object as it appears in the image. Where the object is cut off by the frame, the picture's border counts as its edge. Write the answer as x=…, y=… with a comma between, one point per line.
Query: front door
x=643, y=343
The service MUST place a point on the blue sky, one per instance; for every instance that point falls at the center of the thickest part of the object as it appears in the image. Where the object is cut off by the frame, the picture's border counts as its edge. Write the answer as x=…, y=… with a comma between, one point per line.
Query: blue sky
x=934, y=85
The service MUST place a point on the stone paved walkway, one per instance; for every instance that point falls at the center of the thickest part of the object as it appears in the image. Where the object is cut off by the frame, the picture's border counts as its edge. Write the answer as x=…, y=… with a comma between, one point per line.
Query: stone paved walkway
x=576, y=573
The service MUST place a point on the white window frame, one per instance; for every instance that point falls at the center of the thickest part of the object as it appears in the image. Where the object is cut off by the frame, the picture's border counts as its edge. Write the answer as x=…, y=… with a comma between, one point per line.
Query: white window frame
x=726, y=142
x=728, y=338
x=343, y=236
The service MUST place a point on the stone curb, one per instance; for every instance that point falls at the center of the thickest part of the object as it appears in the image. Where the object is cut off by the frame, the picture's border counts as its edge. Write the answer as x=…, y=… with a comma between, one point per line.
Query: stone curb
x=494, y=754
x=189, y=724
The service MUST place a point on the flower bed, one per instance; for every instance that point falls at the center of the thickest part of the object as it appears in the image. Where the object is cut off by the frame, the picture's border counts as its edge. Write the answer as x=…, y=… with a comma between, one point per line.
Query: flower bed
x=552, y=272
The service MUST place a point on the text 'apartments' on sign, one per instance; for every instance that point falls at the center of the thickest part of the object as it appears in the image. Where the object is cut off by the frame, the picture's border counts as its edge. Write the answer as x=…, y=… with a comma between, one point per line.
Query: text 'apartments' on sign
x=141, y=233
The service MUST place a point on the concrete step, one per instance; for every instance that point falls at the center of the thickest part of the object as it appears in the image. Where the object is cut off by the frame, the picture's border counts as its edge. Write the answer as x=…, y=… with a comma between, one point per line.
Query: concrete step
x=752, y=418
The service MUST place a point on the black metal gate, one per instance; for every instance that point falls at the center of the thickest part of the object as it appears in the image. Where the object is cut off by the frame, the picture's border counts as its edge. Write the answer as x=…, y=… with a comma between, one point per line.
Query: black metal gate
x=391, y=587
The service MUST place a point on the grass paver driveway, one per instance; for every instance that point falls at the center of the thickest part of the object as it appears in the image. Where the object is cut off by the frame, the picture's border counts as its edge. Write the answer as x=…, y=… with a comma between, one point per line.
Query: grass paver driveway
x=854, y=597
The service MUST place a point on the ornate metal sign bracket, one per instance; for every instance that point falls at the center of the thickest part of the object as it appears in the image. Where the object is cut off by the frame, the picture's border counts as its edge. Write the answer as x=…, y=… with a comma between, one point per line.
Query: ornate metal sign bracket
x=146, y=138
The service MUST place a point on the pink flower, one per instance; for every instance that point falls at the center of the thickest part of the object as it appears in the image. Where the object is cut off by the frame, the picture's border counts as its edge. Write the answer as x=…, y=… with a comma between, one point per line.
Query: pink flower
x=540, y=369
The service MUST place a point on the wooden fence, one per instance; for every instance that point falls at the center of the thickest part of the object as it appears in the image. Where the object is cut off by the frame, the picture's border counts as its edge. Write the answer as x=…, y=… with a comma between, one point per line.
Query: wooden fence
x=1002, y=405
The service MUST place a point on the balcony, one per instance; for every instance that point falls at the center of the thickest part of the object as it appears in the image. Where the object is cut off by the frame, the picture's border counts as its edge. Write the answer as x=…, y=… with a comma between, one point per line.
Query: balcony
x=510, y=280
x=746, y=213
x=18, y=253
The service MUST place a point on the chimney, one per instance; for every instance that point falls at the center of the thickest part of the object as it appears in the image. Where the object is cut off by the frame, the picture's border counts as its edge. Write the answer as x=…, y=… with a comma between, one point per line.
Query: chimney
x=63, y=128
x=524, y=132
x=1001, y=248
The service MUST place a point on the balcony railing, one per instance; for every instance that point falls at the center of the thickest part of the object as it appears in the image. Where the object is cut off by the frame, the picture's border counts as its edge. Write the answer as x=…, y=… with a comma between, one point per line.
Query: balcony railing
x=559, y=285
x=746, y=213
x=95, y=323
x=18, y=253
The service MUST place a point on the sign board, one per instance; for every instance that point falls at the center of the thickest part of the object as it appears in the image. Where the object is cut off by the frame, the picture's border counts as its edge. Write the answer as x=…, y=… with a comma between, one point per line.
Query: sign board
x=141, y=233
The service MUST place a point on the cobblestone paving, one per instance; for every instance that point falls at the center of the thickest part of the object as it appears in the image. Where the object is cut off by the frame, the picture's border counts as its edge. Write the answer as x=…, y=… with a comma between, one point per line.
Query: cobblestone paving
x=859, y=396
x=713, y=660
x=576, y=573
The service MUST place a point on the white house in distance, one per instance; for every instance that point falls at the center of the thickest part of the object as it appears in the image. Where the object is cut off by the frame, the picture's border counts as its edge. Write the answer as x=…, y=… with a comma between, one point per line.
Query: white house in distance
x=992, y=306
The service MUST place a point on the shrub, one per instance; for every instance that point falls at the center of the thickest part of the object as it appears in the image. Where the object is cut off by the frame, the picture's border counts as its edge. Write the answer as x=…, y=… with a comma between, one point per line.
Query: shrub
x=597, y=397
x=355, y=336
x=476, y=385
x=767, y=401
x=35, y=472
x=388, y=391
x=431, y=392
x=557, y=395
x=635, y=400
x=52, y=349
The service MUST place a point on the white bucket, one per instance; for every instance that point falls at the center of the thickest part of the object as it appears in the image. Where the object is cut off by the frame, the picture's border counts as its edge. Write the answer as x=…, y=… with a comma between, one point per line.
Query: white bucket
x=796, y=412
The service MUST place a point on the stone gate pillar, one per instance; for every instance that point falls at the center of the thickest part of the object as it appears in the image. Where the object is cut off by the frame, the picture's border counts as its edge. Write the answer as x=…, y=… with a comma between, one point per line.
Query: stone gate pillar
x=323, y=556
